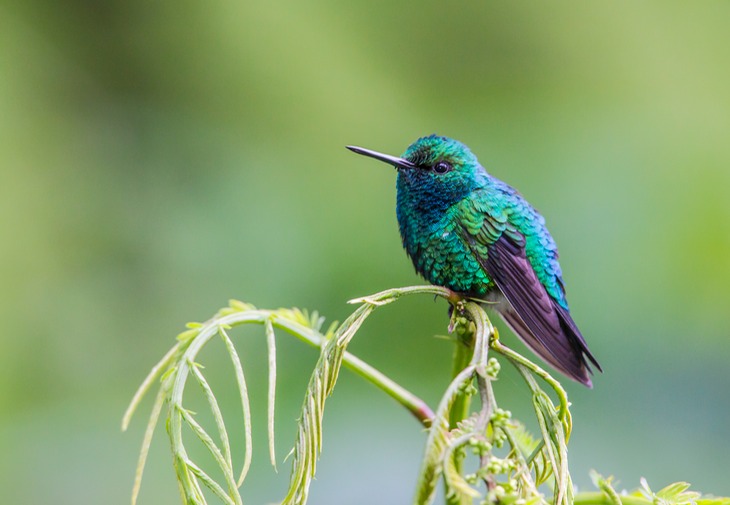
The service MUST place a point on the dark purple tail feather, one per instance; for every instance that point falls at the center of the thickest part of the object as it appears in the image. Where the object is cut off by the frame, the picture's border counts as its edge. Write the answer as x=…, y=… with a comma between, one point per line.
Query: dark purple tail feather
x=573, y=363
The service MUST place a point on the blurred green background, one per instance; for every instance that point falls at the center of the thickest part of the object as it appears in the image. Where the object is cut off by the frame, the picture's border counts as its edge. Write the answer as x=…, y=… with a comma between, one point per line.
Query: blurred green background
x=159, y=158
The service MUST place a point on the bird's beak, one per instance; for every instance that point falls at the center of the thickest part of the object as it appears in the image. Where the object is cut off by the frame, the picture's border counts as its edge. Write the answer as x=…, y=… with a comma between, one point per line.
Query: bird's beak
x=391, y=160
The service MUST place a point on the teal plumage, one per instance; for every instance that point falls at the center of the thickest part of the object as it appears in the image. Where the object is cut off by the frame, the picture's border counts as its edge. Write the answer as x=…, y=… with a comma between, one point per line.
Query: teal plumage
x=474, y=234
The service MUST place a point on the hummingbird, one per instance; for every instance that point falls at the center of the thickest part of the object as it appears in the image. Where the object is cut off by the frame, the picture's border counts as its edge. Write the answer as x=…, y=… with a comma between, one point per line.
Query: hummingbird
x=468, y=231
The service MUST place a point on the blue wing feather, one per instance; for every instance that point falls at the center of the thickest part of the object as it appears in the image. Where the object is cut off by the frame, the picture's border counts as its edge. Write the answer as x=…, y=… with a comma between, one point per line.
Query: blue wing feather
x=518, y=254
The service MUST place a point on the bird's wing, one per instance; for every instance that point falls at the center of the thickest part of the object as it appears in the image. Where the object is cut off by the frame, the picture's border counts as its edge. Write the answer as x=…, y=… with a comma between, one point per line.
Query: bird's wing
x=536, y=317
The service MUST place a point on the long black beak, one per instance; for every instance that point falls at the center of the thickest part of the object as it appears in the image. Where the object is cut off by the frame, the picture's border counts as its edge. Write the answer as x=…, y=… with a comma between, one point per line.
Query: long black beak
x=391, y=160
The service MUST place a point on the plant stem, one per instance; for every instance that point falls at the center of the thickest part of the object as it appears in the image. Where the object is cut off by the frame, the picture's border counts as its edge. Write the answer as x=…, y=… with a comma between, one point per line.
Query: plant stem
x=463, y=354
x=460, y=408
x=599, y=498
x=413, y=403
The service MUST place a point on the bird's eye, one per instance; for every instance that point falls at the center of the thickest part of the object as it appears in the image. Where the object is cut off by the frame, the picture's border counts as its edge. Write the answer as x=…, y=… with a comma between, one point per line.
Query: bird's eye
x=442, y=167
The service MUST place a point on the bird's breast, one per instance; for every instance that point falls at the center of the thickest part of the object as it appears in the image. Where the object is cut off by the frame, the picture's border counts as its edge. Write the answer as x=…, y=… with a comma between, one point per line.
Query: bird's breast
x=440, y=254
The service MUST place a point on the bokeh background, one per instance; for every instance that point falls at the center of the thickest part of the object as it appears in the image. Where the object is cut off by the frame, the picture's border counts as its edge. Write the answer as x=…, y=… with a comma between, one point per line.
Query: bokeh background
x=159, y=158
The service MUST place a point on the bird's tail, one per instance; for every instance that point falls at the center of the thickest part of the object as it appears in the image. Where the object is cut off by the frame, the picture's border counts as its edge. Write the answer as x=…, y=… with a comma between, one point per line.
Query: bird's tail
x=569, y=356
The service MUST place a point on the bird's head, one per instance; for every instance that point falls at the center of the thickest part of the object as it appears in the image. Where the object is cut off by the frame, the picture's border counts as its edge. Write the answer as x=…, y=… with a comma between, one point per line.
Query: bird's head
x=439, y=168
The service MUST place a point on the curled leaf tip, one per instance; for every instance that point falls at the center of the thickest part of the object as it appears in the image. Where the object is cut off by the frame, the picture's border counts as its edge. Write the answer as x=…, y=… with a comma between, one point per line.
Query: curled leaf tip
x=368, y=300
x=187, y=335
x=240, y=306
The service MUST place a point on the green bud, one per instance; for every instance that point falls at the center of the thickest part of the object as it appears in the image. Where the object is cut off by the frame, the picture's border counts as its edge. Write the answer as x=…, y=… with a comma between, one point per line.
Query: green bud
x=493, y=368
